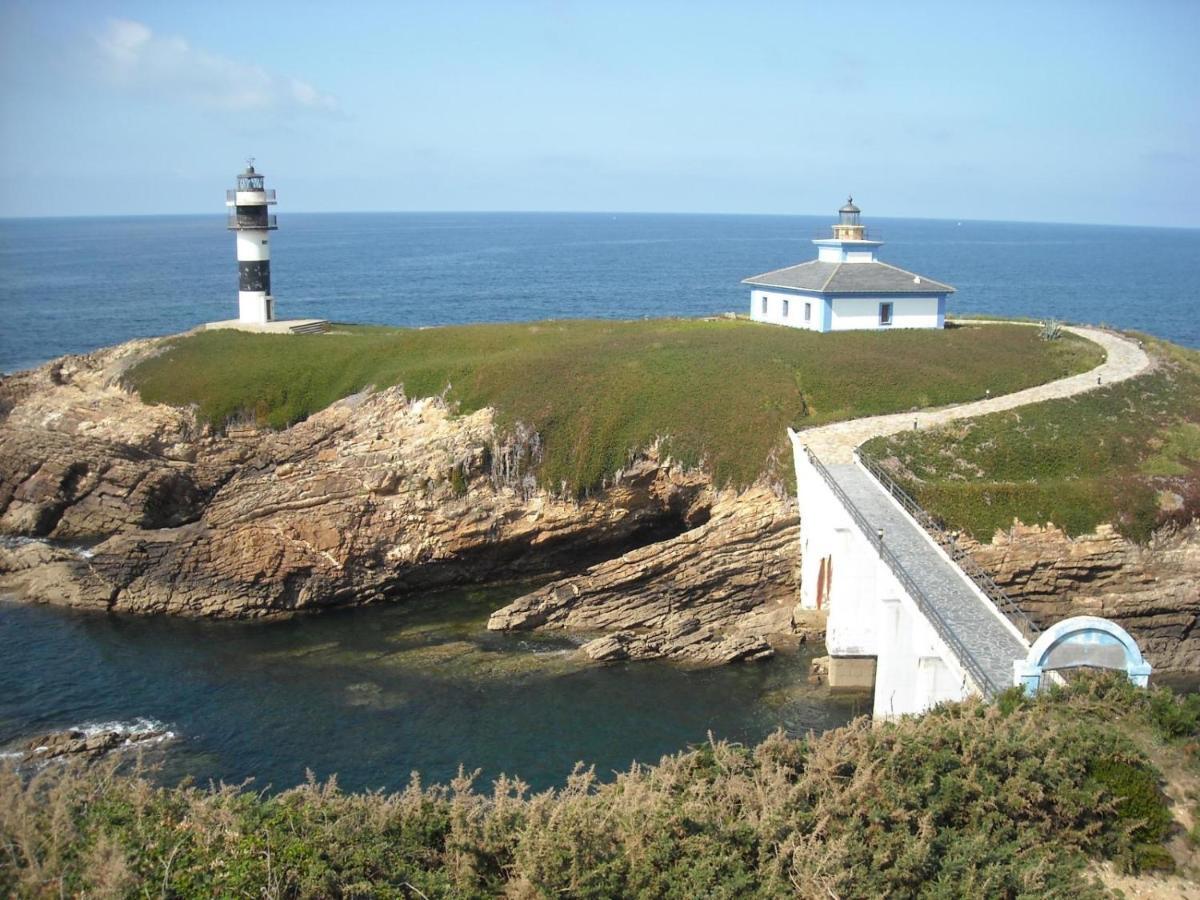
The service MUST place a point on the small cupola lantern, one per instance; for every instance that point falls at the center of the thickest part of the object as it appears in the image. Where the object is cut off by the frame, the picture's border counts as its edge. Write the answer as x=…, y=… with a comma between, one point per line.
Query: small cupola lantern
x=849, y=227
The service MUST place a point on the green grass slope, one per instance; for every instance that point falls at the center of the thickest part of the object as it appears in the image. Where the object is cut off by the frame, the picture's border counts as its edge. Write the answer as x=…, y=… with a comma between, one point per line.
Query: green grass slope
x=1128, y=455
x=1009, y=799
x=720, y=392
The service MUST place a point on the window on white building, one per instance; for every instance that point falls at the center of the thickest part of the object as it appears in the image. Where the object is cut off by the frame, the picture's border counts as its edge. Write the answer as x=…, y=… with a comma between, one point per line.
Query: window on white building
x=885, y=314
x=764, y=304
x=785, y=308
x=807, y=312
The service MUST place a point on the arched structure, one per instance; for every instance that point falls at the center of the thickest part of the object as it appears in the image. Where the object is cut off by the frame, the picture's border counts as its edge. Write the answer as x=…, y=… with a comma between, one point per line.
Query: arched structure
x=1082, y=642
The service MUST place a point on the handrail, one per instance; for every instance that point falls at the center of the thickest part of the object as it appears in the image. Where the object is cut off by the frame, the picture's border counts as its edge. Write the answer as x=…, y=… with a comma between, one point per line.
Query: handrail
x=960, y=556
x=945, y=632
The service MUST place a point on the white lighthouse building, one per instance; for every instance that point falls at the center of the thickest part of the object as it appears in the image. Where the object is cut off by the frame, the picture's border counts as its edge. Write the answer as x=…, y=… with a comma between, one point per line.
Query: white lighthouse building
x=847, y=288
x=252, y=222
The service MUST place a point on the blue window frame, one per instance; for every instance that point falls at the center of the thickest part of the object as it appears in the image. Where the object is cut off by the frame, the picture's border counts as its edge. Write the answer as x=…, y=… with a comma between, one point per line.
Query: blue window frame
x=885, y=314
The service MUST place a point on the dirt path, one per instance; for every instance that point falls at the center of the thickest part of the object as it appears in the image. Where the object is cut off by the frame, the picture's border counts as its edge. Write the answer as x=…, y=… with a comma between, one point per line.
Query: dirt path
x=1125, y=359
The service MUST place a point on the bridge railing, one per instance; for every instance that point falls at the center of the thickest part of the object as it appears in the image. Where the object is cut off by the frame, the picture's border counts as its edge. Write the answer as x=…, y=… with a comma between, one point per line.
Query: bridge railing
x=954, y=550
x=927, y=607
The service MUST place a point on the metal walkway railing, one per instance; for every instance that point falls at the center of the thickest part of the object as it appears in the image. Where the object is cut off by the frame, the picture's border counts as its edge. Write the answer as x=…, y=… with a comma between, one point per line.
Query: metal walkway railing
x=972, y=665
x=954, y=550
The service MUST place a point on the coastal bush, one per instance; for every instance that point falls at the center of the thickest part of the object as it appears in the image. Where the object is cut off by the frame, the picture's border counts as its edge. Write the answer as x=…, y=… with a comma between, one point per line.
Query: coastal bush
x=1126, y=455
x=717, y=393
x=1137, y=801
x=972, y=799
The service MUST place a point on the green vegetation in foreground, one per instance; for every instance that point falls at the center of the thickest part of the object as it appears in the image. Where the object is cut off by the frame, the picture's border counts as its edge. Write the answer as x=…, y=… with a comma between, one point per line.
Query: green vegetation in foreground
x=1008, y=799
x=720, y=393
x=1128, y=455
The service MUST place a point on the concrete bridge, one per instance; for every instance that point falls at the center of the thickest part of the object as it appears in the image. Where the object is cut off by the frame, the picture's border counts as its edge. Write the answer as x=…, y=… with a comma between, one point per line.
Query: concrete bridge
x=910, y=613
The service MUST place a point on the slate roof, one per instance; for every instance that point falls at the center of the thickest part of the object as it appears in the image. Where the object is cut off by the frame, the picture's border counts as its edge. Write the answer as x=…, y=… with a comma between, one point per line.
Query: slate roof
x=849, y=278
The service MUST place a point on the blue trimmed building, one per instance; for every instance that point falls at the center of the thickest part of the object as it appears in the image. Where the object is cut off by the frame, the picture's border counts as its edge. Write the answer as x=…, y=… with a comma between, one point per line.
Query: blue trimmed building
x=846, y=288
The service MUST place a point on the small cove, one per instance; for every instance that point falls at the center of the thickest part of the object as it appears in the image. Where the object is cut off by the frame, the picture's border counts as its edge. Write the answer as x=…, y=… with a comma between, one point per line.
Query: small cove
x=375, y=693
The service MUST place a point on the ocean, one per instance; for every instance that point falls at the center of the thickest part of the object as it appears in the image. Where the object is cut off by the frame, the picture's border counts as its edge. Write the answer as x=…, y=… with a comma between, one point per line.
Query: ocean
x=376, y=693
x=72, y=285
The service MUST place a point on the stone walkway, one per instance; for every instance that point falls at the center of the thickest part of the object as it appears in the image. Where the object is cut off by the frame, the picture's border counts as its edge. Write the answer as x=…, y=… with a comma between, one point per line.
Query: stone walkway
x=834, y=444
x=963, y=616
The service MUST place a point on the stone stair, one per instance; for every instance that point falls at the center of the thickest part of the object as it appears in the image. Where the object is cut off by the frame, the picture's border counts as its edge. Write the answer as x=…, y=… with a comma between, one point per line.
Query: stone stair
x=312, y=326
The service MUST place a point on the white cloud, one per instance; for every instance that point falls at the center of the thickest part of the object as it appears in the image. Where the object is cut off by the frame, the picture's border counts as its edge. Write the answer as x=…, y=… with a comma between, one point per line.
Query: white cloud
x=135, y=58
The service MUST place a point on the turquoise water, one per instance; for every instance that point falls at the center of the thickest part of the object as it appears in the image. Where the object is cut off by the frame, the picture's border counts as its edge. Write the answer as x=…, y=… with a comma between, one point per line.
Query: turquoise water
x=375, y=693
x=71, y=285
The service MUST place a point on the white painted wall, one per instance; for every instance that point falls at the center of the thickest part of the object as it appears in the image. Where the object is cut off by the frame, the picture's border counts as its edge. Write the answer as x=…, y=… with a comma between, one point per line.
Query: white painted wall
x=250, y=198
x=253, y=246
x=775, y=309
x=870, y=613
x=832, y=250
x=254, y=306
x=862, y=313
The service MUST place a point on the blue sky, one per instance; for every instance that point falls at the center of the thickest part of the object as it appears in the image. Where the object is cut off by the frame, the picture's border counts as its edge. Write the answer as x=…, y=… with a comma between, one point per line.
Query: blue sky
x=1050, y=111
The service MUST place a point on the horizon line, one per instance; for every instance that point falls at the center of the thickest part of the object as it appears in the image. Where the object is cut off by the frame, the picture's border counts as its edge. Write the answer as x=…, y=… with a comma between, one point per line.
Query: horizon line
x=586, y=212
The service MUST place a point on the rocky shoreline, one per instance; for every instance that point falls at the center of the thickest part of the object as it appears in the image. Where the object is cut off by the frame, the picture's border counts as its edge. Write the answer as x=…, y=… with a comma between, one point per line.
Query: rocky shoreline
x=72, y=743
x=381, y=496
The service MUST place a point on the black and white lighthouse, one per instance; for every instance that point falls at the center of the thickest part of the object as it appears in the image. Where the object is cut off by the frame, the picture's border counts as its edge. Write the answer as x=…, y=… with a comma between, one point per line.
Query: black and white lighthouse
x=252, y=224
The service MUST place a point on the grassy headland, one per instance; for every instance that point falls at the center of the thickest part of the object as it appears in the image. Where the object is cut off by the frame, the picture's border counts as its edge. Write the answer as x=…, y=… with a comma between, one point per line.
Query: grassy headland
x=1009, y=799
x=720, y=393
x=1128, y=455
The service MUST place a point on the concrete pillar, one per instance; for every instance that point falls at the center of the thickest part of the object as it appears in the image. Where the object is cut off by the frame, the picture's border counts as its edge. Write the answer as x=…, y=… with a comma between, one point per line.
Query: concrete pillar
x=852, y=673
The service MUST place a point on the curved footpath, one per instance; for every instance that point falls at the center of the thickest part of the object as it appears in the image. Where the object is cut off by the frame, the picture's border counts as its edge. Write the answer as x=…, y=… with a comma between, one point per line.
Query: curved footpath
x=700, y=595
x=964, y=617
x=836, y=443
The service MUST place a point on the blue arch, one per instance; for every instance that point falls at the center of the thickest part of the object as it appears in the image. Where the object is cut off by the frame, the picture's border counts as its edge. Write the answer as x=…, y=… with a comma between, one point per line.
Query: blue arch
x=1082, y=641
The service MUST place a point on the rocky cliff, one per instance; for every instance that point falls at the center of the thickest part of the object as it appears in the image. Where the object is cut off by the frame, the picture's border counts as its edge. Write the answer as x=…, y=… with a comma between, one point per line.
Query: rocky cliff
x=377, y=496
x=137, y=508
x=1152, y=591
x=711, y=593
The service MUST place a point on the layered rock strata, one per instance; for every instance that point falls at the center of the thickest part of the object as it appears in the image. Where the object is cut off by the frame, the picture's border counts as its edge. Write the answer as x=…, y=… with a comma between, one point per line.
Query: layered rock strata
x=379, y=496
x=143, y=510
x=712, y=593
x=1152, y=590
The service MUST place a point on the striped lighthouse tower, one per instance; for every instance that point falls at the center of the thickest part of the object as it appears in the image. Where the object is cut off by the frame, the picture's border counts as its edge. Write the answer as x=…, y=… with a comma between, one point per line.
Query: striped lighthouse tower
x=251, y=222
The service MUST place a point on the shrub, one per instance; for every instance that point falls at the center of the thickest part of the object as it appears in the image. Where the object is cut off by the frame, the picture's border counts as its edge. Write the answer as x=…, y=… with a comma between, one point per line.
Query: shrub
x=1141, y=809
x=1175, y=716
x=972, y=799
x=1051, y=330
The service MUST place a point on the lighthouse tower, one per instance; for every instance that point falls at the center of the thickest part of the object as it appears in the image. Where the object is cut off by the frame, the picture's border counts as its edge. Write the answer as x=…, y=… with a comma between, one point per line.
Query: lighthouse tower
x=250, y=220
x=849, y=243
